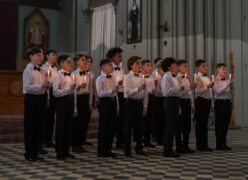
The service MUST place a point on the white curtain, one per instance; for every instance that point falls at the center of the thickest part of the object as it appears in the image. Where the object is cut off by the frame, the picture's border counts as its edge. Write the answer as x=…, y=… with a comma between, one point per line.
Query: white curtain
x=103, y=31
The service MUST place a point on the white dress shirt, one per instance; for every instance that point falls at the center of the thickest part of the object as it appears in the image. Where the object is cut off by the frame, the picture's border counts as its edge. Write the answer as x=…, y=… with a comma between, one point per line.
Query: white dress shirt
x=33, y=80
x=150, y=86
x=132, y=83
x=202, y=89
x=105, y=85
x=221, y=89
x=62, y=84
x=53, y=71
x=170, y=85
x=118, y=73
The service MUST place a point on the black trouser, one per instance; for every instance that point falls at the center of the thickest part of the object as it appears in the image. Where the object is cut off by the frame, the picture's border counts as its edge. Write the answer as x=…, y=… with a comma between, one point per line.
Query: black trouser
x=202, y=110
x=107, y=116
x=158, y=118
x=223, y=112
x=34, y=110
x=149, y=122
x=64, y=118
x=185, y=124
x=80, y=123
x=48, y=126
x=134, y=122
x=171, y=107
x=120, y=120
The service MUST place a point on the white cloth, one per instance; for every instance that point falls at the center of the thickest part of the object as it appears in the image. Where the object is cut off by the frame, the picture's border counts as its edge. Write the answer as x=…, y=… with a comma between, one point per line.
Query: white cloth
x=170, y=86
x=33, y=80
x=221, y=89
x=103, y=31
x=119, y=75
x=150, y=86
x=105, y=86
x=53, y=71
x=201, y=89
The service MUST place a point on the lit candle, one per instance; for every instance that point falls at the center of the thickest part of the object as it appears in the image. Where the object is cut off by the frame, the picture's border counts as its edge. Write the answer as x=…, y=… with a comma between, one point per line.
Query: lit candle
x=73, y=77
x=212, y=78
x=230, y=77
x=194, y=78
x=144, y=79
x=185, y=76
x=49, y=73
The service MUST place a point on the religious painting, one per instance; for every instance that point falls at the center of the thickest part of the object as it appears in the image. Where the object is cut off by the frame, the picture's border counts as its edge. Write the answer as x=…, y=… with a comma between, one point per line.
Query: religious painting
x=134, y=21
x=36, y=31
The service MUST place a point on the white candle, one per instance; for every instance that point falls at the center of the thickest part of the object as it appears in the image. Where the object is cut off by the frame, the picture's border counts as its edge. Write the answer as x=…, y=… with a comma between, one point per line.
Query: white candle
x=73, y=77
x=185, y=76
x=230, y=77
x=143, y=78
x=212, y=78
x=194, y=78
x=49, y=72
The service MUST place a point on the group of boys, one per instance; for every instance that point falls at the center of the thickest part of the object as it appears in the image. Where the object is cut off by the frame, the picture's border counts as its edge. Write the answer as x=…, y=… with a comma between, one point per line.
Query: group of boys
x=141, y=105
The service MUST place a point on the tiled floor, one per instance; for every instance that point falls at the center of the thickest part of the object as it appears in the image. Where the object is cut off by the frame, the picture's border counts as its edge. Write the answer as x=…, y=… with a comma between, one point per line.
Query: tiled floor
x=217, y=165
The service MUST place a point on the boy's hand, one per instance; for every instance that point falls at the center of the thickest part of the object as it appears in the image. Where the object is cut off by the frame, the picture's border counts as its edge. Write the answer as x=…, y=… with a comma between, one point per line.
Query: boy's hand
x=83, y=85
x=73, y=86
x=192, y=109
x=144, y=111
x=182, y=87
x=210, y=85
x=142, y=87
x=156, y=82
x=193, y=86
x=116, y=89
x=46, y=85
x=120, y=83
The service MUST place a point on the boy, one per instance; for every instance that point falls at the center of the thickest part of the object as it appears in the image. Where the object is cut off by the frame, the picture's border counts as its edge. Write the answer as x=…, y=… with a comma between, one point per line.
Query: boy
x=158, y=110
x=107, y=89
x=186, y=105
x=63, y=88
x=223, y=106
x=146, y=67
x=137, y=100
x=51, y=70
x=34, y=87
x=115, y=56
x=171, y=91
x=202, y=105
x=83, y=103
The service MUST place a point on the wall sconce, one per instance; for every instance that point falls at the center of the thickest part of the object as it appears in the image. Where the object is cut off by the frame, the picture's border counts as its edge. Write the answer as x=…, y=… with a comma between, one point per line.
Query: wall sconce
x=164, y=27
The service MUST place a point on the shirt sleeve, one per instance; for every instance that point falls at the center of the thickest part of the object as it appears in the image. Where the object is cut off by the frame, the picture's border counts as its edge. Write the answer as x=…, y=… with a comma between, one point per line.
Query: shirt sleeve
x=101, y=92
x=128, y=90
x=57, y=91
x=200, y=89
x=219, y=89
x=27, y=83
x=169, y=89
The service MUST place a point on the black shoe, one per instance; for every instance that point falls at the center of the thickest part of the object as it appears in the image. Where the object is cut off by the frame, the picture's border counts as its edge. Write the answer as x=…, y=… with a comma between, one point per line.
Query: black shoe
x=171, y=154
x=227, y=147
x=101, y=154
x=40, y=158
x=60, y=156
x=208, y=149
x=128, y=154
x=42, y=151
x=150, y=145
x=223, y=148
x=31, y=159
x=188, y=150
x=141, y=153
x=78, y=149
x=119, y=146
x=111, y=154
x=180, y=151
x=70, y=156
x=86, y=143
x=49, y=145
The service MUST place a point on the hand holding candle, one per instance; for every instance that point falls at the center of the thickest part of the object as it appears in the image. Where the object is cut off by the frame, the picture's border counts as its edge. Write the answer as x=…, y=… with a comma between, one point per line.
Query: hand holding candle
x=195, y=78
x=212, y=78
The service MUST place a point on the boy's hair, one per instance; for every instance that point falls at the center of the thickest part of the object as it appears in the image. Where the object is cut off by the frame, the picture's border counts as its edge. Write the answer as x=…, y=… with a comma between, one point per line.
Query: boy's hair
x=103, y=62
x=62, y=58
x=167, y=62
x=90, y=58
x=220, y=65
x=131, y=61
x=157, y=60
x=33, y=51
x=199, y=62
x=145, y=61
x=181, y=62
x=79, y=56
x=49, y=51
x=113, y=51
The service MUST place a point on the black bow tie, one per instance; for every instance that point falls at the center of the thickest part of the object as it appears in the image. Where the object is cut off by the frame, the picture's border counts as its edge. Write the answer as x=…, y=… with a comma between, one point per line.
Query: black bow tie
x=173, y=75
x=183, y=76
x=67, y=74
x=204, y=75
x=136, y=75
x=223, y=79
x=37, y=68
x=117, y=68
x=147, y=76
x=53, y=66
x=109, y=76
x=82, y=73
x=40, y=65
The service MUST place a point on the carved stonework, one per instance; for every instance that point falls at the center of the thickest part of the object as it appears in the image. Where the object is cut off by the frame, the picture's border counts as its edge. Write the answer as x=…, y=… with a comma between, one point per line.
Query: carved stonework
x=16, y=88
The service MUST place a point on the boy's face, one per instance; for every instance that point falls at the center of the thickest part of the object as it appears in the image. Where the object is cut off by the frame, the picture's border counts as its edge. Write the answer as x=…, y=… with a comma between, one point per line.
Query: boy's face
x=160, y=71
x=222, y=71
x=136, y=67
x=173, y=68
x=107, y=68
x=82, y=64
x=183, y=68
x=36, y=58
x=203, y=68
x=117, y=59
x=52, y=58
x=88, y=64
x=147, y=68
x=66, y=65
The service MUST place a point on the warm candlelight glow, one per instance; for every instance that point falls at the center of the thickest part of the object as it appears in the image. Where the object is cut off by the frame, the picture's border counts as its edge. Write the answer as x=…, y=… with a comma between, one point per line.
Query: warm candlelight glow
x=194, y=78
x=212, y=78
x=230, y=77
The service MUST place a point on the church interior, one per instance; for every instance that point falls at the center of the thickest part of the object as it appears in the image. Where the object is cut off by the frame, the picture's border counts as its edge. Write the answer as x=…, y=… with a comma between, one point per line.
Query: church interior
x=213, y=30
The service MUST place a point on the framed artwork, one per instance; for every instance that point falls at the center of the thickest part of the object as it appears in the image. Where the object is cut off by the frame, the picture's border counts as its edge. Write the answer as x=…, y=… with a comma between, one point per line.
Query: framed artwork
x=36, y=31
x=134, y=21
